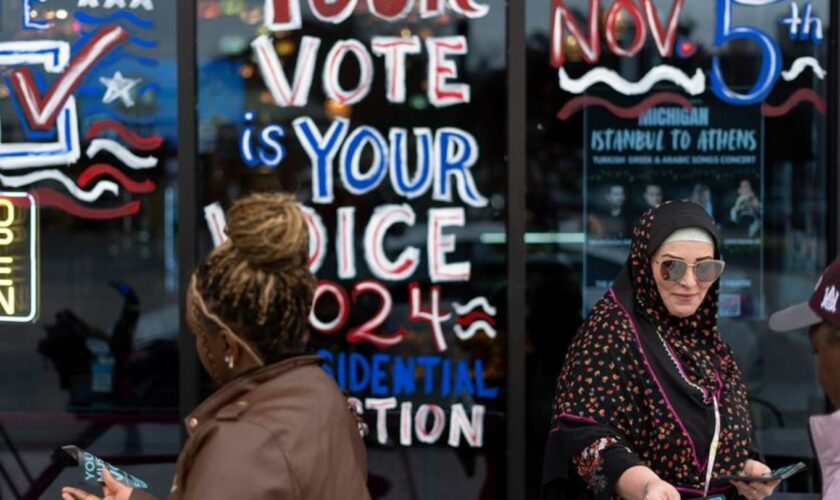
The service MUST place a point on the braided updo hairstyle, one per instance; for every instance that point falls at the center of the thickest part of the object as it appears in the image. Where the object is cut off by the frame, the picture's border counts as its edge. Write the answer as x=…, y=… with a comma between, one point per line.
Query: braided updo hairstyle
x=258, y=282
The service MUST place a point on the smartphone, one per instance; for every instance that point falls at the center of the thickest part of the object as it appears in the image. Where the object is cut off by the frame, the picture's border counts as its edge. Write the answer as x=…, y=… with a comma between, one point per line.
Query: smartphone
x=779, y=474
x=91, y=468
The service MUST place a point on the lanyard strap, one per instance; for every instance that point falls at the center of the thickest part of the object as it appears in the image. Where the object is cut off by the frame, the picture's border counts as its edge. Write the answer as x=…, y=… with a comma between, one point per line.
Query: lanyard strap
x=712, y=448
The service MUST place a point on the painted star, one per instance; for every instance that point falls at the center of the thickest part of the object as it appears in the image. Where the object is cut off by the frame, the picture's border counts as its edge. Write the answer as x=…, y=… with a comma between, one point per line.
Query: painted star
x=119, y=87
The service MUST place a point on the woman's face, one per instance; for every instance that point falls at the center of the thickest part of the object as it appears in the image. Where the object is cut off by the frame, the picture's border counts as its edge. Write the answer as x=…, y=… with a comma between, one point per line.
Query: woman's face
x=684, y=296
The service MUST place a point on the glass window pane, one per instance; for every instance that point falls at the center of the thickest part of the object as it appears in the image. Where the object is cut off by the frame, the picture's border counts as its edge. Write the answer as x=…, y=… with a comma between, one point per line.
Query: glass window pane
x=87, y=111
x=636, y=113
x=389, y=124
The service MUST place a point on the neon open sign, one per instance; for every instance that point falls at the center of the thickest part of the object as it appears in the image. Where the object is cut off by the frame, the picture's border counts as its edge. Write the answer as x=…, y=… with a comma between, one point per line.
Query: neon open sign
x=18, y=257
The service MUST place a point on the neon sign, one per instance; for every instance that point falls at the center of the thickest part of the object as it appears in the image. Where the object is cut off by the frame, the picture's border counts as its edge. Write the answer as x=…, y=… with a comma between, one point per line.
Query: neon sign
x=18, y=257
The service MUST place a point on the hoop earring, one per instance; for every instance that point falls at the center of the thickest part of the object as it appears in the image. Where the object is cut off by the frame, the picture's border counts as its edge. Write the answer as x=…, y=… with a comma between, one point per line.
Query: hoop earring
x=229, y=361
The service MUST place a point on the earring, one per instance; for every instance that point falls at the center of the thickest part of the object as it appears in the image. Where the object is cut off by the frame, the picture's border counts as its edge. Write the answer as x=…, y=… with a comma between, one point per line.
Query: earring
x=229, y=361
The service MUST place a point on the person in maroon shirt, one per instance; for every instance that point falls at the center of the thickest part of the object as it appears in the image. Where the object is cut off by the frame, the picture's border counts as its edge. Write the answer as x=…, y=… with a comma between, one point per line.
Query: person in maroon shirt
x=821, y=316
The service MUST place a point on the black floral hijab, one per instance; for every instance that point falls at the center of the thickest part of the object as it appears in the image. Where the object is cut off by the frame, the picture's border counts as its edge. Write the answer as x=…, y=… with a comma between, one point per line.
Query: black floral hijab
x=692, y=338
x=637, y=382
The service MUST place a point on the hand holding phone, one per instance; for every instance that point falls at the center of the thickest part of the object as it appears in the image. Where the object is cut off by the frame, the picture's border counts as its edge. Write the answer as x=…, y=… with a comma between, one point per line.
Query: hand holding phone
x=91, y=468
x=779, y=474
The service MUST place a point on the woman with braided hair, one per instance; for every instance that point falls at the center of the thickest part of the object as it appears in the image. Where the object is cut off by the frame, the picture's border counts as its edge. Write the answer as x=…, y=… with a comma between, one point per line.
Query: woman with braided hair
x=650, y=404
x=278, y=427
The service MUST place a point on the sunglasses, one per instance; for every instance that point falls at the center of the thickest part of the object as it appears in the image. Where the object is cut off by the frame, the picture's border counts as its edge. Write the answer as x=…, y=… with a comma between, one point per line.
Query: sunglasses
x=706, y=271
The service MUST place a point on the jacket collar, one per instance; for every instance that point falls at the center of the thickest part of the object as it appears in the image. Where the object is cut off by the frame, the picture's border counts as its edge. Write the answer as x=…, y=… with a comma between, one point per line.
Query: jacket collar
x=242, y=385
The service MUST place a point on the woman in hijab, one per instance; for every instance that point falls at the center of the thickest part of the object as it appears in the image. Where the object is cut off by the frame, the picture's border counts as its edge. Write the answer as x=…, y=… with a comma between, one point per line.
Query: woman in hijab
x=650, y=404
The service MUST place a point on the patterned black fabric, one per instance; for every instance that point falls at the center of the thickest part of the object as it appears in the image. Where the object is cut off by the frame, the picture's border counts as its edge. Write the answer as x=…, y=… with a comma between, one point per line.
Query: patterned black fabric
x=625, y=394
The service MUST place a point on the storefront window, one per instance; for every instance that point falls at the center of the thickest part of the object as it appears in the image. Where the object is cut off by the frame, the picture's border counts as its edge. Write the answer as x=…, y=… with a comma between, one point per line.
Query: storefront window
x=388, y=122
x=88, y=299
x=633, y=103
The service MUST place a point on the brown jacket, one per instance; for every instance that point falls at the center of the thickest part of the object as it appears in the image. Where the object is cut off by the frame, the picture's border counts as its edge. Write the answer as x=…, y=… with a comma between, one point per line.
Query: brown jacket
x=281, y=432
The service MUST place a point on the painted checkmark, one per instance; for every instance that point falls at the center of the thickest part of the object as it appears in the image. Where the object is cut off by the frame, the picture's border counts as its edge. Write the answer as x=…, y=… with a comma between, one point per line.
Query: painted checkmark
x=41, y=111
